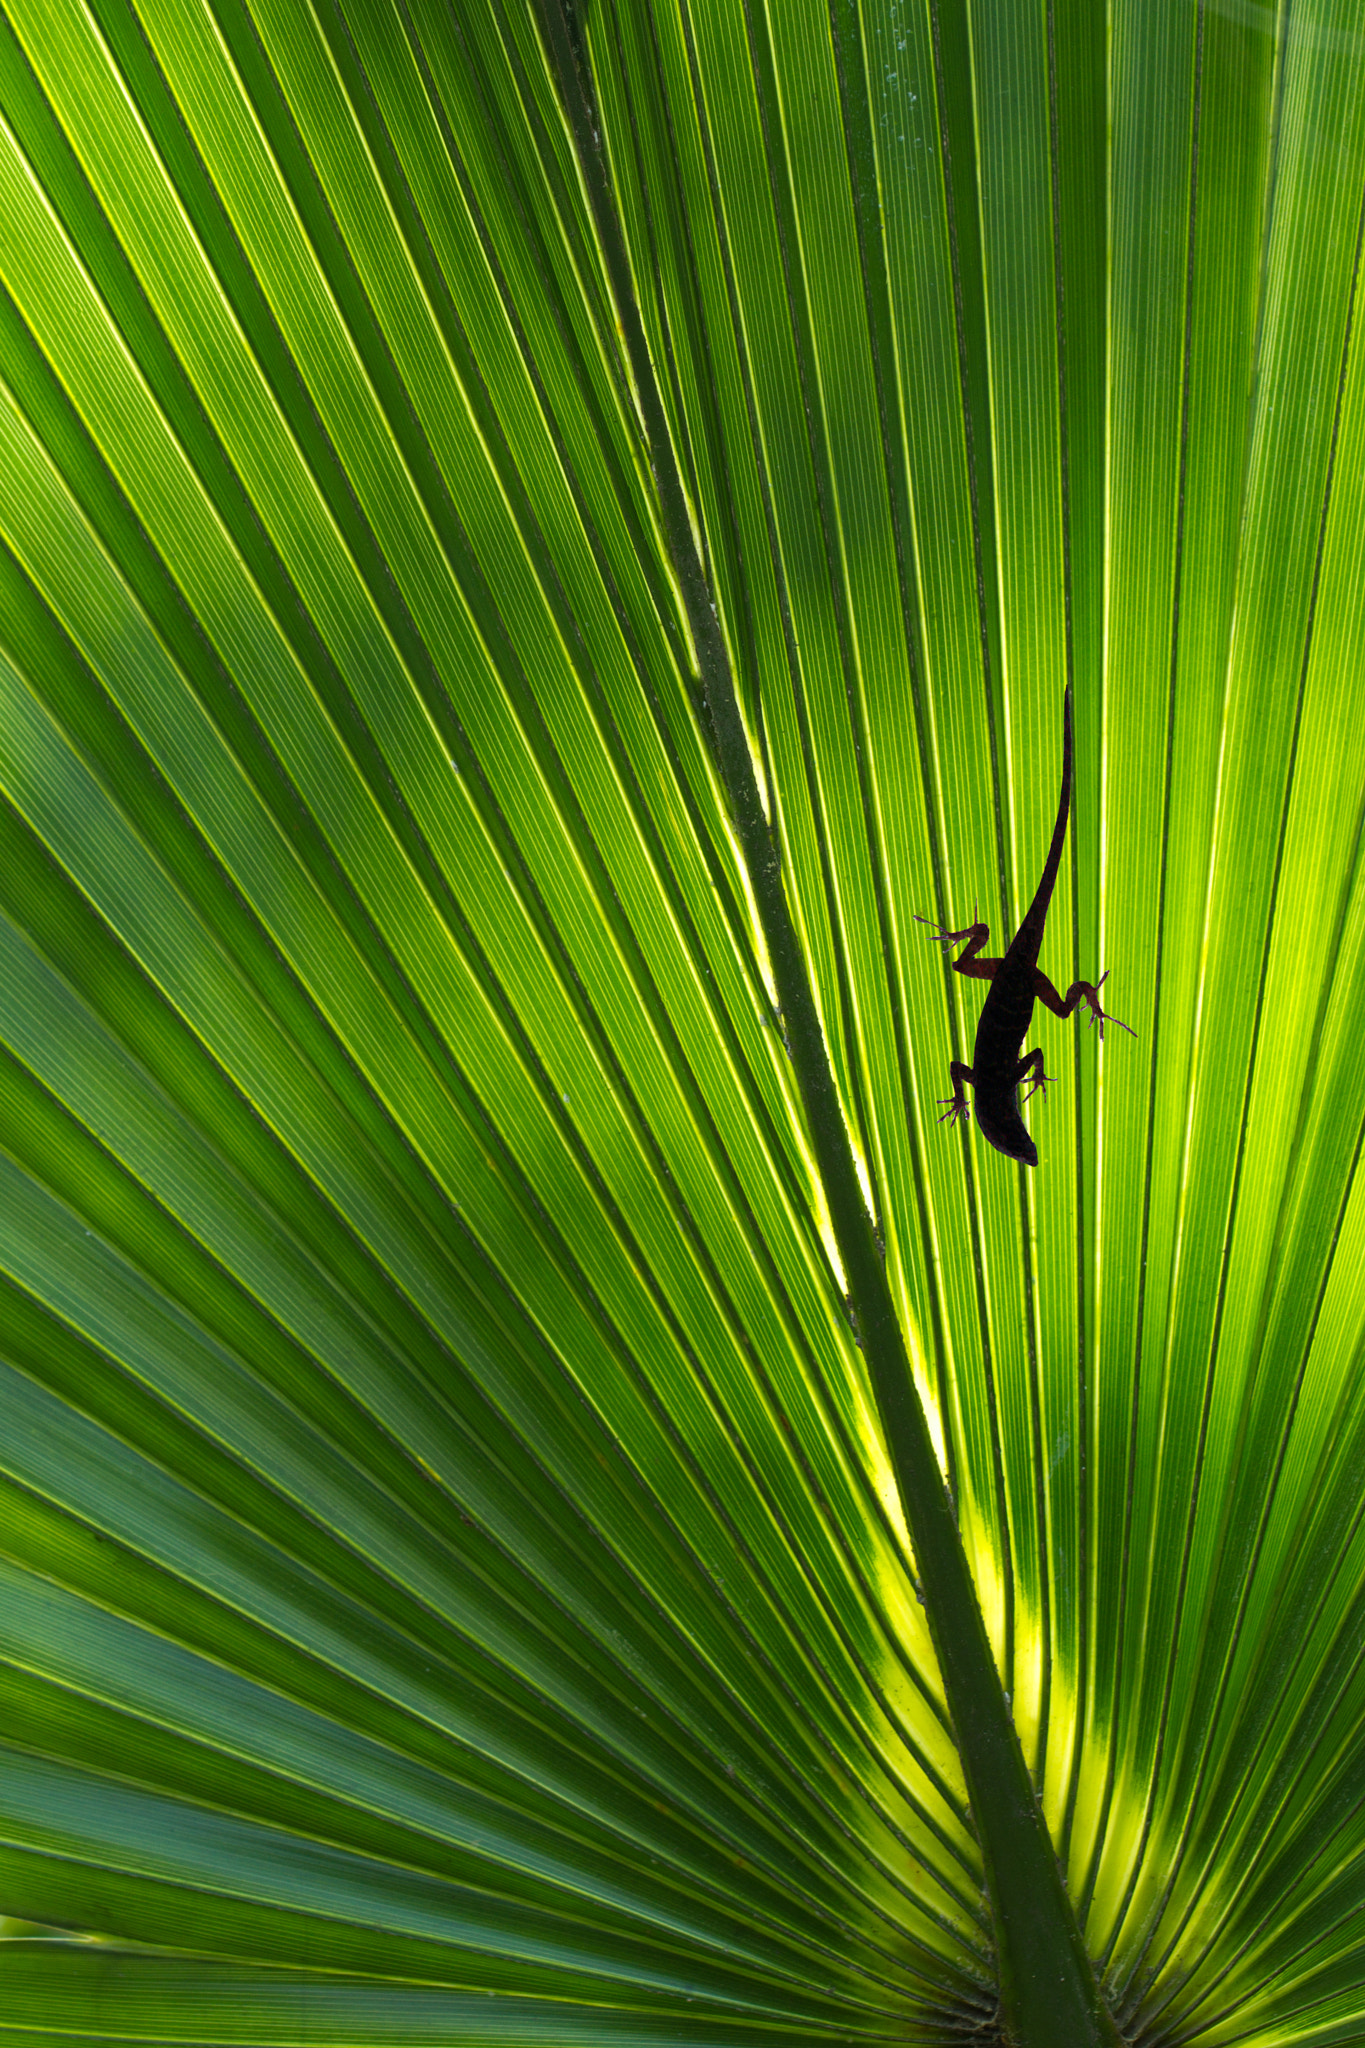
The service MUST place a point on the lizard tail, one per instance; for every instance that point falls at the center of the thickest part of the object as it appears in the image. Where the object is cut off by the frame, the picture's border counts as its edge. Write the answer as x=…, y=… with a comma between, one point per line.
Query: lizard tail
x=1043, y=894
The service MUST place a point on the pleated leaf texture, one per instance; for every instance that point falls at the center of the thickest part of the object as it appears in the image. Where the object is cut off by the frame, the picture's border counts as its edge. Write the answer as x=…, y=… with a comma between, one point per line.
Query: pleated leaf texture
x=452, y=1586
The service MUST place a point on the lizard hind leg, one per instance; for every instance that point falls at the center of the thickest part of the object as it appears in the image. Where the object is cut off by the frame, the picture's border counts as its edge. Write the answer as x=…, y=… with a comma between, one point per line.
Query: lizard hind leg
x=1087, y=992
x=975, y=935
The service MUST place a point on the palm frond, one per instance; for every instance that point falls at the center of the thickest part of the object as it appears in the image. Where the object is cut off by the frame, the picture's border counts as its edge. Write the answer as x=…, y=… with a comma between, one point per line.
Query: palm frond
x=451, y=1580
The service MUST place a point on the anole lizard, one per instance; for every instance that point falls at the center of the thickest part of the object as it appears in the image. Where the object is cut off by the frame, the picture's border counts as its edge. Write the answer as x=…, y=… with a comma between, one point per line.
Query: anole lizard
x=996, y=1069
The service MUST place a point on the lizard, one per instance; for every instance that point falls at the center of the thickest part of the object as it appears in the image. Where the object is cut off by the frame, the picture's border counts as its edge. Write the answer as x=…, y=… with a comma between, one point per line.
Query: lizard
x=1016, y=982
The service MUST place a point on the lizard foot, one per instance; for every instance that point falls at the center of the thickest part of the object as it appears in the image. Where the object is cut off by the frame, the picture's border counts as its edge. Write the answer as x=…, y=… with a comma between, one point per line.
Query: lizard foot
x=947, y=938
x=1103, y=1017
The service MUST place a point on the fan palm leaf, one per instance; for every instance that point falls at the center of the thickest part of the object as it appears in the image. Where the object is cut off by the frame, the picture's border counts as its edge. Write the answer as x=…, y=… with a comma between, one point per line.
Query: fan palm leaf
x=456, y=1581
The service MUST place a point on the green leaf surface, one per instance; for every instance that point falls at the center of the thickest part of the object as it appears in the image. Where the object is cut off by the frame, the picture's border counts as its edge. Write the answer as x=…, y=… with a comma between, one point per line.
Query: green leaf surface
x=452, y=1584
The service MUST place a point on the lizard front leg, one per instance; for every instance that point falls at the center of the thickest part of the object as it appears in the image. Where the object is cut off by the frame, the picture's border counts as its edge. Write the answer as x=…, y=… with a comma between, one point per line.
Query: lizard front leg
x=1033, y=1066
x=957, y=1101
x=1089, y=991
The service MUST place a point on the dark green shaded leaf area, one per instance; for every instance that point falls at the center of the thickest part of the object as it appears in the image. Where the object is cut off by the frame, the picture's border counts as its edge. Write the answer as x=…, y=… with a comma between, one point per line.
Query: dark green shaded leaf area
x=452, y=1587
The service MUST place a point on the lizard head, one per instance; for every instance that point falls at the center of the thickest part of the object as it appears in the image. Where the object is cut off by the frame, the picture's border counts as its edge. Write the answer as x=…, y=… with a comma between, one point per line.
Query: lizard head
x=1001, y=1125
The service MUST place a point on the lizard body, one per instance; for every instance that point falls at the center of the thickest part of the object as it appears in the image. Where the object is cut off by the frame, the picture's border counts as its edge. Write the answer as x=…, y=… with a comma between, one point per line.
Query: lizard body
x=1016, y=983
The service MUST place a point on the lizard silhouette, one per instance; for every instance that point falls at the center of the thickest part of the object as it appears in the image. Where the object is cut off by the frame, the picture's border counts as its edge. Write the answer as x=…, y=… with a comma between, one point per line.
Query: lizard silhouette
x=1016, y=982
